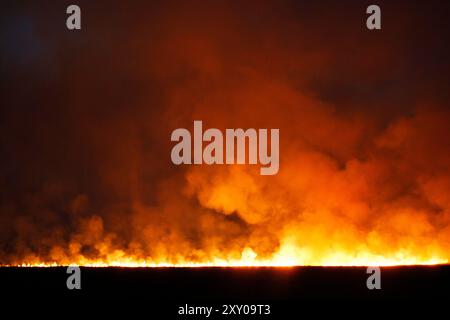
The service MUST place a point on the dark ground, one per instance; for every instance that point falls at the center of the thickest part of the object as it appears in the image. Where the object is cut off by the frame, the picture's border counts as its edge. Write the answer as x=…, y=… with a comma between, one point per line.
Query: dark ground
x=219, y=284
x=288, y=291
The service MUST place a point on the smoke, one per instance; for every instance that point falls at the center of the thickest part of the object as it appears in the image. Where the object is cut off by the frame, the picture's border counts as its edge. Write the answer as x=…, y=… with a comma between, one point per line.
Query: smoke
x=86, y=117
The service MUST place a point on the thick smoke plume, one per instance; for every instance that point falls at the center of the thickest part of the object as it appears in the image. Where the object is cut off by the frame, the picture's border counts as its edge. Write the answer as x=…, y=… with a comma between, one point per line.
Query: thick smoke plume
x=86, y=118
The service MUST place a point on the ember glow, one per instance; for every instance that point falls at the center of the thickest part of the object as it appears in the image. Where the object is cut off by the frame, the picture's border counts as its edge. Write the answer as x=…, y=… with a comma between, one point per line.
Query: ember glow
x=248, y=259
x=364, y=177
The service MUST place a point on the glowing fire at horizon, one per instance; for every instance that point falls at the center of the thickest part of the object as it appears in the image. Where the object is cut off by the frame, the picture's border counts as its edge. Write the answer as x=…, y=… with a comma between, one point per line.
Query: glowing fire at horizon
x=248, y=259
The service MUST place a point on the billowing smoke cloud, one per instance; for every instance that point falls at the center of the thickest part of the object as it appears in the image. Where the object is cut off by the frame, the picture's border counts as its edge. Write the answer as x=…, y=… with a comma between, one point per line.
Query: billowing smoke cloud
x=86, y=117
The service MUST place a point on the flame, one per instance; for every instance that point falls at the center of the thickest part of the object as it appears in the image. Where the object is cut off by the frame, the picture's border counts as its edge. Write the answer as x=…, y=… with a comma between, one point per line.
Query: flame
x=287, y=256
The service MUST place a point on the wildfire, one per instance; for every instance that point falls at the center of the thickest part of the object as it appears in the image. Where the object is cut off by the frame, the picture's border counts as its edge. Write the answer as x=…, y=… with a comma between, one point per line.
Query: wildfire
x=284, y=258
x=362, y=128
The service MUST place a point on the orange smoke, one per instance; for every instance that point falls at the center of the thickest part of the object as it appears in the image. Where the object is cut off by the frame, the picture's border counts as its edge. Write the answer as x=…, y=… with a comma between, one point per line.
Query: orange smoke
x=364, y=173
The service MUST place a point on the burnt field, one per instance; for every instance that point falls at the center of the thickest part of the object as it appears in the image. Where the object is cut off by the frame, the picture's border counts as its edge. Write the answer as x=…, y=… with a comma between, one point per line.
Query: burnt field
x=221, y=285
